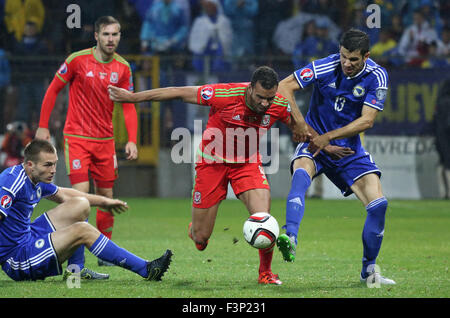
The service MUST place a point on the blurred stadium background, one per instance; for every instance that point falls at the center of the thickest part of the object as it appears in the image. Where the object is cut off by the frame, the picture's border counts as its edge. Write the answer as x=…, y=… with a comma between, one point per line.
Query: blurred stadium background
x=192, y=42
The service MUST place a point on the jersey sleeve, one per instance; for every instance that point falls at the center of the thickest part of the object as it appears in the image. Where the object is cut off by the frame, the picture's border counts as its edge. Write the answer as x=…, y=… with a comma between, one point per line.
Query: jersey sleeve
x=305, y=76
x=207, y=95
x=67, y=70
x=6, y=200
x=10, y=183
x=126, y=81
x=377, y=92
x=49, y=189
x=284, y=109
x=317, y=70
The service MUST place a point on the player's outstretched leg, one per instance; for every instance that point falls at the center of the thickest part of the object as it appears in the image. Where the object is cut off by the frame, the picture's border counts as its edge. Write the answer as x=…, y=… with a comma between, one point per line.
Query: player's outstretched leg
x=295, y=207
x=68, y=239
x=107, y=250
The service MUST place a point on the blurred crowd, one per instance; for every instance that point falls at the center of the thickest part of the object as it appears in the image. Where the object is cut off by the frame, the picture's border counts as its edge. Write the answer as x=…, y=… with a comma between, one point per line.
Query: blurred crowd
x=414, y=30
x=212, y=35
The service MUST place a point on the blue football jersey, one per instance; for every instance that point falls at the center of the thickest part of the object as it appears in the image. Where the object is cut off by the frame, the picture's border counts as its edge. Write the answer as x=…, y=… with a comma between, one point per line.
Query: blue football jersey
x=338, y=99
x=18, y=197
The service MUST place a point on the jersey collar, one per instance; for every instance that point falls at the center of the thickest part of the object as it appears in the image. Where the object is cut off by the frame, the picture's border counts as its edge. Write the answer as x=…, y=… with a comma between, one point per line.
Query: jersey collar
x=100, y=61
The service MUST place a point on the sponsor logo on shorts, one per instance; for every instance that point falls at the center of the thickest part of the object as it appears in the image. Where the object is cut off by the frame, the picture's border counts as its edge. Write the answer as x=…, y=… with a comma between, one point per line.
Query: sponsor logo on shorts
x=197, y=197
x=207, y=92
x=6, y=201
x=306, y=74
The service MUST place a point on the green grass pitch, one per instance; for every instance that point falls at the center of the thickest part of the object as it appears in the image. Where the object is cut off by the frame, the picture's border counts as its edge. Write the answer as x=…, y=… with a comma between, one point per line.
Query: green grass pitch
x=415, y=253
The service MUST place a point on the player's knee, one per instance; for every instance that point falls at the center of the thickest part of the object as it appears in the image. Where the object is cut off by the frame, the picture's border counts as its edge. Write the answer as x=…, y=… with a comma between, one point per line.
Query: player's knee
x=82, y=206
x=84, y=232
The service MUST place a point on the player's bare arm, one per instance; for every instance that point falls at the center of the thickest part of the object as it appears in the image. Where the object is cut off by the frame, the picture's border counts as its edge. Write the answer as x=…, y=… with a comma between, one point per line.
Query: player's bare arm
x=113, y=205
x=335, y=152
x=42, y=133
x=287, y=87
x=186, y=93
x=357, y=126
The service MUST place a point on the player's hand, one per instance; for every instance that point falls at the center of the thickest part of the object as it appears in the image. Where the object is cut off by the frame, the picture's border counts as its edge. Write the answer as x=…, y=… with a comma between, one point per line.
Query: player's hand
x=318, y=143
x=337, y=152
x=42, y=133
x=114, y=206
x=118, y=94
x=131, y=151
x=300, y=132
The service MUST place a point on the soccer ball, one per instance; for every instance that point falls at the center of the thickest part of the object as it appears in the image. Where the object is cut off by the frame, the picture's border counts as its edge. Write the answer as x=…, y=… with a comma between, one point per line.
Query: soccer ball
x=261, y=230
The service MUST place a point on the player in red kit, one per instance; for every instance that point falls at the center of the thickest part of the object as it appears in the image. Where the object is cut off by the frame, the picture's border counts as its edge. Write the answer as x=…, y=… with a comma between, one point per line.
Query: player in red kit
x=239, y=114
x=88, y=130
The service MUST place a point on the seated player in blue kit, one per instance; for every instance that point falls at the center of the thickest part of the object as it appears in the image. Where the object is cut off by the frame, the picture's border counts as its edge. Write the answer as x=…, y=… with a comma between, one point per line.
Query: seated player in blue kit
x=349, y=91
x=35, y=250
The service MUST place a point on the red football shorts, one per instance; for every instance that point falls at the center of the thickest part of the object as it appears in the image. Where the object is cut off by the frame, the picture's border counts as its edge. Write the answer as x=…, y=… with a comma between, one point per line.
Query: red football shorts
x=90, y=155
x=211, y=181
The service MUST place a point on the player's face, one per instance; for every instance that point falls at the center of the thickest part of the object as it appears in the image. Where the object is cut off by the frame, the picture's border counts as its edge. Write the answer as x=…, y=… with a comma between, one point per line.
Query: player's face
x=108, y=38
x=260, y=98
x=44, y=169
x=352, y=62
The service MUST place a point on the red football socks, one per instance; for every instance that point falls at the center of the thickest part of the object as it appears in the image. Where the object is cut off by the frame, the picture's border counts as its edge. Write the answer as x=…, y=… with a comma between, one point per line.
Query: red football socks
x=105, y=222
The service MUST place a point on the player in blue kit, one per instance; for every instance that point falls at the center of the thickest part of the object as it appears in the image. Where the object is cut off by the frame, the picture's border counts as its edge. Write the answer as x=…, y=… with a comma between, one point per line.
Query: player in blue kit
x=36, y=250
x=349, y=91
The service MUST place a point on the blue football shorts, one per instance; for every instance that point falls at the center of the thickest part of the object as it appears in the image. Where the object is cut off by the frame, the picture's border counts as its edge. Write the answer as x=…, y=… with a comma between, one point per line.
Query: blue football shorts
x=344, y=172
x=36, y=258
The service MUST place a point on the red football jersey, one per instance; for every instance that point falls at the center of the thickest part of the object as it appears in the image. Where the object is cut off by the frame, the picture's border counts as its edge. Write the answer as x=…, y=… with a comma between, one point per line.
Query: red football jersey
x=233, y=130
x=90, y=109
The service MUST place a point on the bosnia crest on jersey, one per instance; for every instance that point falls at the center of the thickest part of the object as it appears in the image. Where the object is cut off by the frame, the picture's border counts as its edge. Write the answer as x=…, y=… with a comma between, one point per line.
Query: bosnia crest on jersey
x=358, y=91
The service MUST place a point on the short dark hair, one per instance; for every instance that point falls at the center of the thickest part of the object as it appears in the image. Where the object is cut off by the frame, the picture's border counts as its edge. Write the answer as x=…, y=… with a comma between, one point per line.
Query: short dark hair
x=35, y=147
x=105, y=20
x=266, y=76
x=354, y=40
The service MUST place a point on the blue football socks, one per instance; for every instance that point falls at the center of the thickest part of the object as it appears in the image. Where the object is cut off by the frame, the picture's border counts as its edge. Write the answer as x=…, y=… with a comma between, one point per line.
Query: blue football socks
x=372, y=234
x=295, y=206
x=107, y=250
x=77, y=257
